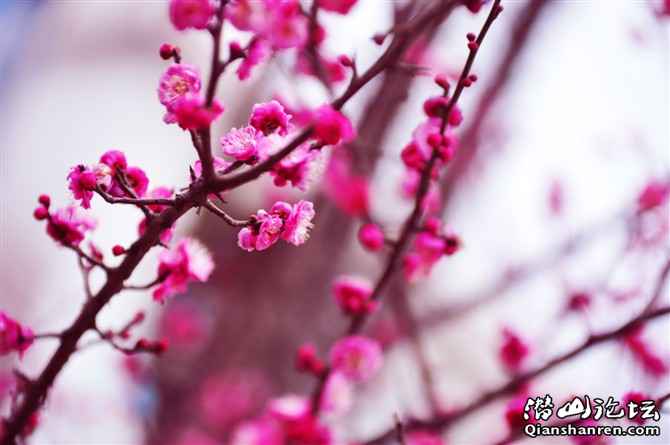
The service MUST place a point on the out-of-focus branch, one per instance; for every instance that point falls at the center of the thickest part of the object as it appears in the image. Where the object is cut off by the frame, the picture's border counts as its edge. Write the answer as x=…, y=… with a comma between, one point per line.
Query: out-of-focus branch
x=524, y=272
x=443, y=421
x=469, y=138
x=414, y=218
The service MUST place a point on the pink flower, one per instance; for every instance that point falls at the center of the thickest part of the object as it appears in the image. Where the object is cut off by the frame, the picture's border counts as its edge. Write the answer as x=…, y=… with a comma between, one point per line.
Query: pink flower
x=13, y=336
x=187, y=261
x=177, y=81
x=191, y=13
x=371, y=237
x=298, y=223
x=137, y=180
x=269, y=231
x=294, y=169
x=339, y=6
x=270, y=117
x=191, y=113
x=297, y=423
x=358, y=358
x=247, y=15
x=279, y=22
x=246, y=144
x=69, y=225
x=423, y=438
x=513, y=350
x=413, y=157
x=353, y=295
x=258, y=50
x=116, y=162
x=290, y=223
x=114, y=159
x=82, y=183
x=429, y=247
x=332, y=127
x=653, y=195
x=285, y=26
x=349, y=191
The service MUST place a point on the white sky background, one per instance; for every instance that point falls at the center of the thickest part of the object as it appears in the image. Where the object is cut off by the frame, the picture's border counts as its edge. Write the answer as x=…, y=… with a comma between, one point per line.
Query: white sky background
x=589, y=98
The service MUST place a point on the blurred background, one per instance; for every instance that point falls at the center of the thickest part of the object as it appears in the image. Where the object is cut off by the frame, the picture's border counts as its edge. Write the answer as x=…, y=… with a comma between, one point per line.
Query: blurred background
x=566, y=125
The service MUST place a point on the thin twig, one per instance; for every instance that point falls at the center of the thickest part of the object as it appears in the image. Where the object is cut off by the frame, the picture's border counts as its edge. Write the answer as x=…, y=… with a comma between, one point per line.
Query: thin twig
x=209, y=205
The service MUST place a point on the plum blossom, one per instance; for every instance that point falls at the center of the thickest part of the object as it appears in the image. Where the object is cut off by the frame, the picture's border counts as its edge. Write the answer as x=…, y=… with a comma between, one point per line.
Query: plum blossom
x=339, y=6
x=429, y=246
x=354, y=295
x=191, y=13
x=115, y=160
x=137, y=180
x=191, y=113
x=513, y=350
x=113, y=164
x=246, y=144
x=279, y=22
x=371, y=237
x=258, y=50
x=349, y=191
x=178, y=80
x=296, y=422
x=187, y=261
x=270, y=117
x=295, y=168
x=332, y=127
x=358, y=358
x=290, y=223
x=654, y=194
x=298, y=223
x=82, y=183
x=14, y=336
x=69, y=225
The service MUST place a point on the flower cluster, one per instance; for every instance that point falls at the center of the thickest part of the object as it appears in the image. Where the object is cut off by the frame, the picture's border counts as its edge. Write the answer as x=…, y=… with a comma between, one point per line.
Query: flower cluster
x=353, y=295
x=429, y=246
x=110, y=175
x=14, y=336
x=284, y=221
x=67, y=226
